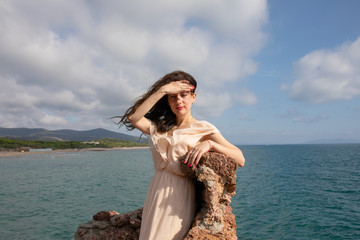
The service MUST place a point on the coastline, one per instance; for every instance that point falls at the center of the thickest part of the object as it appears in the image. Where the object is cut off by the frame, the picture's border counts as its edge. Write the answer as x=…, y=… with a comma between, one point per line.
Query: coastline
x=17, y=153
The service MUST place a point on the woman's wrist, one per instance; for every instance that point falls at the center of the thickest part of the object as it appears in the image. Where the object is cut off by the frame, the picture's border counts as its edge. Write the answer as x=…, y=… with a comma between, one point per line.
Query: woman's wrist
x=210, y=145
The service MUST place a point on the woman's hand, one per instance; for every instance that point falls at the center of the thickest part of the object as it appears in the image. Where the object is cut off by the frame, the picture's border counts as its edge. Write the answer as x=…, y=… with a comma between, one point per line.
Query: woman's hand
x=177, y=87
x=217, y=143
x=194, y=155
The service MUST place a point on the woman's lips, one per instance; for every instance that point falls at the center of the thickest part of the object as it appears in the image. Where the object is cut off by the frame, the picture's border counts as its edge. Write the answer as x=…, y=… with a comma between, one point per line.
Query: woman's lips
x=179, y=108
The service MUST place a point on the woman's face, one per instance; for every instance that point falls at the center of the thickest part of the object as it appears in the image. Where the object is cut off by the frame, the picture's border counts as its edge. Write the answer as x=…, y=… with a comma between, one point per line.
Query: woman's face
x=181, y=103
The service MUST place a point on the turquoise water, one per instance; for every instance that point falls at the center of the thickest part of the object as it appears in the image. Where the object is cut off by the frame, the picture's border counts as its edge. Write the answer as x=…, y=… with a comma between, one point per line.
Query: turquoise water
x=283, y=192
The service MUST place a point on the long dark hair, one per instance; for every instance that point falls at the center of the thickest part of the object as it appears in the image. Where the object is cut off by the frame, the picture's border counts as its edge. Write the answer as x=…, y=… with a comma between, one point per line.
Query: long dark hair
x=160, y=113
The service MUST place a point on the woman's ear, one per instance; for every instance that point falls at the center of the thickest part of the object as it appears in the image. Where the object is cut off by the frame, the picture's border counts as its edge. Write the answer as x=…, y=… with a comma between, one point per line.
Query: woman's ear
x=193, y=97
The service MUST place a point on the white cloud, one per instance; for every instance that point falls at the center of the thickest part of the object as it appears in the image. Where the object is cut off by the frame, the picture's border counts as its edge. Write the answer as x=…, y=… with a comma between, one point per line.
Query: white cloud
x=124, y=42
x=211, y=104
x=245, y=97
x=50, y=120
x=14, y=97
x=325, y=75
x=188, y=48
x=89, y=60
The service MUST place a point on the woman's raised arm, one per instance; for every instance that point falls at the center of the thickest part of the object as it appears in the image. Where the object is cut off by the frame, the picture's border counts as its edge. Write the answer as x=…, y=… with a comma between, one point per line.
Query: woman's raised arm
x=138, y=119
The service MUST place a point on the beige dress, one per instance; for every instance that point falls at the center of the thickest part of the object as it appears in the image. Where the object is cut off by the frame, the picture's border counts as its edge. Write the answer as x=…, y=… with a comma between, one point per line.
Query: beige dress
x=170, y=202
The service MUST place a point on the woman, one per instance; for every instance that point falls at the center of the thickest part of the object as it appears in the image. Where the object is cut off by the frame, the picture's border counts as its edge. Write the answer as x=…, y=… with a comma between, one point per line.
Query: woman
x=164, y=113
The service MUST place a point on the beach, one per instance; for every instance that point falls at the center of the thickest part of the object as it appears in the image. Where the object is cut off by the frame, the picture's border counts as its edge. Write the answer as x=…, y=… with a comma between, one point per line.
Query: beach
x=26, y=153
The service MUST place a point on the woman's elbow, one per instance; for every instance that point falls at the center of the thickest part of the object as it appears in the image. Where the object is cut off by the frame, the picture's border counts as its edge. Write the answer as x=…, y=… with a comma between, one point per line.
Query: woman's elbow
x=132, y=119
x=241, y=160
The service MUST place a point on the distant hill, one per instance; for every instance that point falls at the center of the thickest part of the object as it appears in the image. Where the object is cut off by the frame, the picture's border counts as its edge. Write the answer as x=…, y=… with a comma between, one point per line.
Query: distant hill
x=64, y=135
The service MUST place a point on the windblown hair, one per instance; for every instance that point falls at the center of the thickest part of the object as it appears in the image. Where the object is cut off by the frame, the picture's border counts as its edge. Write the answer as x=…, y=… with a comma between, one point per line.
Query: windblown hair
x=161, y=113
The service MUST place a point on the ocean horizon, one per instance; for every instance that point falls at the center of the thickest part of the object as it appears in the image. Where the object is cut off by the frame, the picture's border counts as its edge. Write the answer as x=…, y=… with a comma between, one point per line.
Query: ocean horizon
x=283, y=191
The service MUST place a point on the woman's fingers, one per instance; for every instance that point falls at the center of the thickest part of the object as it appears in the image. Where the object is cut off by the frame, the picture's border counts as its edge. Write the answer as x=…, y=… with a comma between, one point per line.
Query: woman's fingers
x=198, y=158
x=193, y=156
x=183, y=86
x=187, y=157
x=178, y=87
x=188, y=86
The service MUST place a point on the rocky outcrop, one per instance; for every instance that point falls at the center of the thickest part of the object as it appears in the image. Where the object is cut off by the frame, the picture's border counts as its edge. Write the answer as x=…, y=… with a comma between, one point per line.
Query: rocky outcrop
x=216, y=182
x=215, y=179
x=110, y=225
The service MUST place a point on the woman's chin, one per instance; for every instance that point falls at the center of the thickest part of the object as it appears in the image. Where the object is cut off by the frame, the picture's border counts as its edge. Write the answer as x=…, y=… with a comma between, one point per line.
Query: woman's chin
x=181, y=112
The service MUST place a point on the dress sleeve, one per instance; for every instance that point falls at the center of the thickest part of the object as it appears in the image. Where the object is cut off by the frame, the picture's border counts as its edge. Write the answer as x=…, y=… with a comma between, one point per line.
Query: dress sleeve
x=153, y=129
x=205, y=127
x=159, y=141
x=152, y=135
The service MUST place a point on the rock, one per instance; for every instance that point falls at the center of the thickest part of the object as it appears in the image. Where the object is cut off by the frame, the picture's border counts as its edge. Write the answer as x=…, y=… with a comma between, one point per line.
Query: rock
x=110, y=225
x=104, y=215
x=215, y=177
x=216, y=183
x=123, y=233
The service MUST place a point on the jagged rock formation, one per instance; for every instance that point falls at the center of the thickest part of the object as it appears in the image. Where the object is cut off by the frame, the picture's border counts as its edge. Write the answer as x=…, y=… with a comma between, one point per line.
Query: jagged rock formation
x=216, y=183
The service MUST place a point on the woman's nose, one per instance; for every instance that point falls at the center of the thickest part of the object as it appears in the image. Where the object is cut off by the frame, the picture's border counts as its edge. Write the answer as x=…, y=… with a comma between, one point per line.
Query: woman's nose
x=178, y=97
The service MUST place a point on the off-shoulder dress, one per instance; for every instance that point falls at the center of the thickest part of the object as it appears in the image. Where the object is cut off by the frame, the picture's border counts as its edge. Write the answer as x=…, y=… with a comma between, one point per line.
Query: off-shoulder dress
x=170, y=201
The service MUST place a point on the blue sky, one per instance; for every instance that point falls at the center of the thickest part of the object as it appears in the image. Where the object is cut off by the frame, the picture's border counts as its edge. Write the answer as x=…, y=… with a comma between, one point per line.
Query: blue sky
x=294, y=30
x=269, y=72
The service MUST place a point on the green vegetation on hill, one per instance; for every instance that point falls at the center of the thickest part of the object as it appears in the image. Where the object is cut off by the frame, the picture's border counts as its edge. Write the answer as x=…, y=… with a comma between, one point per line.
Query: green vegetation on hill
x=13, y=144
x=40, y=134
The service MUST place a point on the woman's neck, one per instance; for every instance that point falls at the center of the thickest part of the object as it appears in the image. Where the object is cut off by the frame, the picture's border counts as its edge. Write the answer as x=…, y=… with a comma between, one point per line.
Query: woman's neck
x=185, y=121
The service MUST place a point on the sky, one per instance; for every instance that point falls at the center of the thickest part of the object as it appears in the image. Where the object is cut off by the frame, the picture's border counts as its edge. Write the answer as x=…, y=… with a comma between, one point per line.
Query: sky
x=268, y=72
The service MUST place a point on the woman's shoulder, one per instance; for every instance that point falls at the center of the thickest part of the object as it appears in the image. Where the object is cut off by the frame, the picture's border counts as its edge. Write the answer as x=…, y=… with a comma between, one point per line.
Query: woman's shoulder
x=204, y=125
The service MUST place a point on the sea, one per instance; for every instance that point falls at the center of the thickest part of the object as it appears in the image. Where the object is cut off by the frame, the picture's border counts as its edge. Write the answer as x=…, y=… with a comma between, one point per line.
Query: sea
x=283, y=191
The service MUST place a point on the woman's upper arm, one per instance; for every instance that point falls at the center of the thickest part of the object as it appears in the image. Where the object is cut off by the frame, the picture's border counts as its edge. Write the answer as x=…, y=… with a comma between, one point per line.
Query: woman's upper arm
x=143, y=124
x=218, y=138
x=223, y=146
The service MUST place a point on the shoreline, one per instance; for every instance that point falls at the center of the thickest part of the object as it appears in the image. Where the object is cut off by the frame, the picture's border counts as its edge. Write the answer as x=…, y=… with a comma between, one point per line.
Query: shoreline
x=16, y=153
